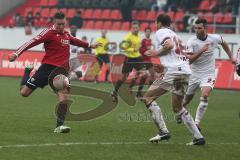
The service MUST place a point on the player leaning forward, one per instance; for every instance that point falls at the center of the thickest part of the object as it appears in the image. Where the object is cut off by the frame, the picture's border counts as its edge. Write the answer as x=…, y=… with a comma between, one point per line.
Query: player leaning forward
x=175, y=81
x=56, y=44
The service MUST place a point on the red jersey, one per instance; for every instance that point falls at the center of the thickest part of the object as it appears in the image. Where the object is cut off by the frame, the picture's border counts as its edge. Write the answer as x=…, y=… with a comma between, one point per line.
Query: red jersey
x=145, y=45
x=56, y=45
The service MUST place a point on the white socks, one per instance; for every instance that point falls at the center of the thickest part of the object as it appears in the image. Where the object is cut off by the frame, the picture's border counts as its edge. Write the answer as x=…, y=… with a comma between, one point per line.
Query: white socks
x=158, y=117
x=202, y=107
x=188, y=121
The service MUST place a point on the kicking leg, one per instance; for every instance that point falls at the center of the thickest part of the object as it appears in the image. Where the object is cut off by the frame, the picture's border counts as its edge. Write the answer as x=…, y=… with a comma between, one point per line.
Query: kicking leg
x=187, y=119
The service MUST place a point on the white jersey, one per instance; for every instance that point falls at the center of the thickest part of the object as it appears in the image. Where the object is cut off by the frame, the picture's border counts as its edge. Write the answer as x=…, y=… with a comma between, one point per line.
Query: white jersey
x=175, y=61
x=205, y=64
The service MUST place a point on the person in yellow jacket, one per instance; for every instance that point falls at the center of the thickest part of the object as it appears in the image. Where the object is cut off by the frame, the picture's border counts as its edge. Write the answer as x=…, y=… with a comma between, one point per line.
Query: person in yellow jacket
x=101, y=53
x=130, y=47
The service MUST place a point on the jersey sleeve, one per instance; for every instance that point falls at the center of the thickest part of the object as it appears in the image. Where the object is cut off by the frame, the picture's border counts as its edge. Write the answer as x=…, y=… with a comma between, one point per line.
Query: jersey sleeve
x=162, y=37
x=42, y=37
x=217, y=38
x=77, y=42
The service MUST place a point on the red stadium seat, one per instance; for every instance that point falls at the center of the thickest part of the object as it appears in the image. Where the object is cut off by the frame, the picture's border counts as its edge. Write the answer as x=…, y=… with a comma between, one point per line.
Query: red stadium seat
x=171, y=15
x=44, y=3
x=228, y=18
x=106, y=14
x=71, y=13
x=116, y=15
x=151, y=15
x=88, y=13
x=153, y=27
x=141, y=15
x=125, y=26
x=116, y=26
x=218, y=17
x=97, y=14
x=179, y=16
x=36, y=10
x=98, y=25
x=27, y=10
x=204, y=5
x=144, y=25
x=52, y=12
x=64, y=10
x=209, y=17
x=52, y=3
x=210, y=29
x=88, y=24
x=45, y=12
x=107, y=25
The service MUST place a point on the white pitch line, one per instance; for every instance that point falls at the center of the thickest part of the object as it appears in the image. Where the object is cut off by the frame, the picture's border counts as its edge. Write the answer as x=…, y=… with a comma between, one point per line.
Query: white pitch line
x=98, y=143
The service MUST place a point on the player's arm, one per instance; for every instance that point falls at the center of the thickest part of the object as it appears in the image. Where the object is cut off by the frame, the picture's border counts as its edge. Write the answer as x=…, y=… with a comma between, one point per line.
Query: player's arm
x=194, y=56
x=77, y=42
x=43, y=36
x=228, y=51
x=167, y=46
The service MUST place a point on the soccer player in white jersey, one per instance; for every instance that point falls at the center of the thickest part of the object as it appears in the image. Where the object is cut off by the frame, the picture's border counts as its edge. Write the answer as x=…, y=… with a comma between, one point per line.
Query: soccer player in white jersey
x=203, y=65
x=175, y=80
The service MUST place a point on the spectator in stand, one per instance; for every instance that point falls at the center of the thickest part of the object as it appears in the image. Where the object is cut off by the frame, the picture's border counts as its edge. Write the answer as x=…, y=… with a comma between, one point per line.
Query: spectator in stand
x=172, y=5
x=39, y=21
x=234, y=5
x=77, y=20
x=126, y=7
x=143, y=4
x=190, y=4
x=220, y=6
x=29, y=19
x=18, y=20
x=96, y=4
x=159, y=5
x=61, y=4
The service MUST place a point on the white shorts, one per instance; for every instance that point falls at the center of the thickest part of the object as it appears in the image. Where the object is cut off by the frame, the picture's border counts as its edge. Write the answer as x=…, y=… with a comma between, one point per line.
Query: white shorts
x=196, y=82
x=174, y=83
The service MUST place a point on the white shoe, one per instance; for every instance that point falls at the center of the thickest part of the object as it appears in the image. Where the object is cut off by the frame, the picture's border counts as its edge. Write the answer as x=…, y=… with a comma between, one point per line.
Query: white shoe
x=159, y=137
x=62, y=129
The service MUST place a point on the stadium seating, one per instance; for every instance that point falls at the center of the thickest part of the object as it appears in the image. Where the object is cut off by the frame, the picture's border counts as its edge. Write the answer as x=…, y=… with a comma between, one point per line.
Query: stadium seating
x=99, y=16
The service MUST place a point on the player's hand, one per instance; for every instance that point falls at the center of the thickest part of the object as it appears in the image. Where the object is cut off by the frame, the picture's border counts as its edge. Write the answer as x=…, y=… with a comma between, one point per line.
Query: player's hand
x=151, y=53
x=12, y=57
x=95, y=45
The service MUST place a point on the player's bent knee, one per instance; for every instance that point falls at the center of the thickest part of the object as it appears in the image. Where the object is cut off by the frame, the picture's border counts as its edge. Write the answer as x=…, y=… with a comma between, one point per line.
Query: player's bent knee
x=24, y=94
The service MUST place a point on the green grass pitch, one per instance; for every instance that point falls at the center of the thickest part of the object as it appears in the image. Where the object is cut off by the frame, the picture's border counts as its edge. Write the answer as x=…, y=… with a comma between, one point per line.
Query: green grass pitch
x=26, y=129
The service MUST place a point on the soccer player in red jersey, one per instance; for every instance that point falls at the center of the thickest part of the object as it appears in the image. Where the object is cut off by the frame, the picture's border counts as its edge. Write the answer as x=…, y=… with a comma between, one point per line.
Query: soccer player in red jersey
x=146, y=44
x=56, y=42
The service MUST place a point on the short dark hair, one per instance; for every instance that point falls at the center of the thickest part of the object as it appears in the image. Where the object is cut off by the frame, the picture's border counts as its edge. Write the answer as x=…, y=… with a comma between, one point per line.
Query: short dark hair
x=147, y=28
x=59, y=15
x=201, y=20
x=135, y=22
x=164, y=19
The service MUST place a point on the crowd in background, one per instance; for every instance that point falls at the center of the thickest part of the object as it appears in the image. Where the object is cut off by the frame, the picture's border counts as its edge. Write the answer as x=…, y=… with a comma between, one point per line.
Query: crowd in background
x=125, y=7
